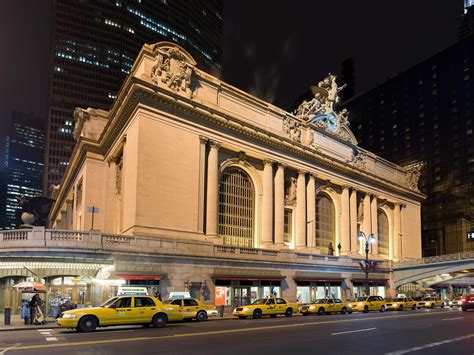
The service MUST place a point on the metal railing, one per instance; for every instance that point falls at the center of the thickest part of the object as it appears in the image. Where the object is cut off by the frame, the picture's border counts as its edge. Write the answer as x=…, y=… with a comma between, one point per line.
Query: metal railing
x=435, y=259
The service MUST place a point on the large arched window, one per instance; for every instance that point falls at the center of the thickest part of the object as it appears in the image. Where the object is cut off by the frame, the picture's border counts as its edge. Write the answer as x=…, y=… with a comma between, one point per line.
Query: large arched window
x=236, y=208
x=383, y=232
x=325, y=222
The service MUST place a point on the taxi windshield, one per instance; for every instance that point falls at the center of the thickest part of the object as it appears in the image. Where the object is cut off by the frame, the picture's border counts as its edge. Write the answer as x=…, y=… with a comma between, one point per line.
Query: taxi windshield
x=259, y=301
x=109, y=302
x=362, y=299
x=428, y=299
x=322, y=300
x=400, y=299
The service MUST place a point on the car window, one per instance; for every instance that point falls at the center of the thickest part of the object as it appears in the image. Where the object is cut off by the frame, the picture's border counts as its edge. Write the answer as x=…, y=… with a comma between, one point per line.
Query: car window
x=123, y=302
x=271, y=301
x=176, y=302
x=337, y=300
x=362, y=299
x=322, y=300
x=330, y=302
x=259, y=301
x=281, y=301
x=109, y=302
x=371, y=299
x=380, y=298
x=188, y=303
x=144, y=302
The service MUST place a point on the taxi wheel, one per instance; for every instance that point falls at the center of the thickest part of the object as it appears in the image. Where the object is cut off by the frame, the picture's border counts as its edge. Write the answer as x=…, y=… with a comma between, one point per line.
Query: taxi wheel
x=159, y=320
x=401, y=307
x=257, y=314
x=87, y=324
x=321, y=311
x=343, y=310
x=288, y=312
x=201, y=316
x=366, y=309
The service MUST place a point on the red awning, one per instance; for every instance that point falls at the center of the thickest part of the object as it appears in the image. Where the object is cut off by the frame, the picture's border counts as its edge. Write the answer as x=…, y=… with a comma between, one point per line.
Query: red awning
x=318, y=280
x=139, y=277
x=250, y=278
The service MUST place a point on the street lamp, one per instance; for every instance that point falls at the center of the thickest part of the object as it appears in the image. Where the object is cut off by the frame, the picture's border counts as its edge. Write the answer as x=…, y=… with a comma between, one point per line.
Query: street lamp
x=368, y=239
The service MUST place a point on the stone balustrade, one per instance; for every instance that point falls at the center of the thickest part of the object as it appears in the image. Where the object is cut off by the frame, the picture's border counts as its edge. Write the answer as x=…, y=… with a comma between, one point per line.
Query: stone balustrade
x=82, y=241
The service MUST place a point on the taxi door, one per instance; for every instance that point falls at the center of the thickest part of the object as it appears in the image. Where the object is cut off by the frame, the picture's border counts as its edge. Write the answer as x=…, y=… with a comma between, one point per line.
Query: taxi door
x=337, y=305
x=190, y=308
x=270, y=307
x=373, y=303
x=144, y=309
x=330, y=306
x=281, y=306
x=122, y=311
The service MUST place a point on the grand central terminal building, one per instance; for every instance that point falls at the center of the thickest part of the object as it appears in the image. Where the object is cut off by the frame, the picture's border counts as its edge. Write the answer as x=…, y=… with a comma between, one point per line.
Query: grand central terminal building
x=190, y=184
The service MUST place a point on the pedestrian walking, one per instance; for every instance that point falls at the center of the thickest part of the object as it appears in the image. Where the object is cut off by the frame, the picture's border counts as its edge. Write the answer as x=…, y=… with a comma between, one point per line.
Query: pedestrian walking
x=25, y=311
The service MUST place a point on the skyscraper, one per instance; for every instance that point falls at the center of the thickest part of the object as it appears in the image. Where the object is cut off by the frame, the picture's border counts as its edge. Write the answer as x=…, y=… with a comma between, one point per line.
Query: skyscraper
x=425, y=115
x=22, y=172
x=93, y=48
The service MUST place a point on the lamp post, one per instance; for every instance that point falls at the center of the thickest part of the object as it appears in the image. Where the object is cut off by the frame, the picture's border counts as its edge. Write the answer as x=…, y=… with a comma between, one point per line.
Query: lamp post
x=368, y=239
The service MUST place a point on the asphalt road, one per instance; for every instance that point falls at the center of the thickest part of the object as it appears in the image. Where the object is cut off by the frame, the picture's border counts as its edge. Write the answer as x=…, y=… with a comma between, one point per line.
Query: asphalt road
x=447, y=331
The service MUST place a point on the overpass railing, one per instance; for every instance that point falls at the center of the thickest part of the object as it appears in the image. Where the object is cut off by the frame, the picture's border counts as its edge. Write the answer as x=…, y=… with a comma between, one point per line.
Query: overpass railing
x=434, y=259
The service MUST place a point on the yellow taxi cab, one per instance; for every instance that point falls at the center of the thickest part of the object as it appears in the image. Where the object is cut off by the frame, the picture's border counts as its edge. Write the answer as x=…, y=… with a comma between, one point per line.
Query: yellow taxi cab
x=325, y=306
x=430, y=302
x=400, y=303
x=368, y=303
x=267, y=307
x=194, y=309
x=121, y=310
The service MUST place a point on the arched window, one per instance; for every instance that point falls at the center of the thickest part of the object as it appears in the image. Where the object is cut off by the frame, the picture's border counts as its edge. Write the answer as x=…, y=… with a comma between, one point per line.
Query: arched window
x=236, y=208
x=325, y=222
x=383, y=232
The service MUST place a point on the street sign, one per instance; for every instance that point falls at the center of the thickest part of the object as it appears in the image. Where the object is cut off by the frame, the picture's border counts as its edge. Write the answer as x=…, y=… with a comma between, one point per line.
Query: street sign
x=470, y=236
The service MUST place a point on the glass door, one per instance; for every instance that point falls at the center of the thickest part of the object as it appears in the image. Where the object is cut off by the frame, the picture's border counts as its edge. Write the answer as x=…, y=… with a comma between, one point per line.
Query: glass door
x=242, y=296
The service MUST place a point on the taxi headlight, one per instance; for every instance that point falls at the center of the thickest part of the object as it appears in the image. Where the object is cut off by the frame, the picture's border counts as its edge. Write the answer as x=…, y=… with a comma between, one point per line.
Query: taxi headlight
x=450, y=303
x=245, y=309
x=69, y=316
x=395, y=304
x=427, y=303
x=349, y=305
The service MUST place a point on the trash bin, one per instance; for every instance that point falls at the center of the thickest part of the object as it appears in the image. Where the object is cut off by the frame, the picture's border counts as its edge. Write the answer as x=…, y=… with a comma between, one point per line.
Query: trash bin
x=221, y=311
x=7, y=315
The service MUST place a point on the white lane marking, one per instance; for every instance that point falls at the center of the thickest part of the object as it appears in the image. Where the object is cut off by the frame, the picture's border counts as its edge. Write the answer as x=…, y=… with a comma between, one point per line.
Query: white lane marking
x=453, y=318
x=431, y=345
x=354, y=331
x=44, y=330
x=52, y=339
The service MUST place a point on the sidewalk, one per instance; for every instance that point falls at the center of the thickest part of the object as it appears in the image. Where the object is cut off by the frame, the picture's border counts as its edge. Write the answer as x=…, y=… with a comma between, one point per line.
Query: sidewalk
x=18, y=324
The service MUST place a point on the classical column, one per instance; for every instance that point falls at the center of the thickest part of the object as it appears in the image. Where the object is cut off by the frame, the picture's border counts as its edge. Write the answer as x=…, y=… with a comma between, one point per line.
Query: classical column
x=212, y=189
x=311, y=211
x=345, y=222
x=395, y=250
x=267, y=203
x=202, y=182
x=353, y=221
x=69, y=212
x=374, y=224
x=301, y=210
x=366, y=225
x=279, y=204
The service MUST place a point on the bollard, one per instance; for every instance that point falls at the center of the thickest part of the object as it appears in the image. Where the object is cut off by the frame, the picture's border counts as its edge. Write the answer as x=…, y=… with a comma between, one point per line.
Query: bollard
x=7, y=315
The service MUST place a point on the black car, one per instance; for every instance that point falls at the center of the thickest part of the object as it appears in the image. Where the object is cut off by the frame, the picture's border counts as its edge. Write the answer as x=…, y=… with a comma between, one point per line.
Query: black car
x=467, y=302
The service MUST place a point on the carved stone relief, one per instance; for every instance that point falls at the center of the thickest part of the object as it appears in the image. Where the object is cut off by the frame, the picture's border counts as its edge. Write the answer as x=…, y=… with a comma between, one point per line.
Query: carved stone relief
x=173, y=69
x=290, y=191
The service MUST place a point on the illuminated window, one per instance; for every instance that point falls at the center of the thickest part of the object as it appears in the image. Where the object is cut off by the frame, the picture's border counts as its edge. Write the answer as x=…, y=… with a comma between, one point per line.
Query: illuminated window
x=236, y=208
x=383, y=232
x=325, y=222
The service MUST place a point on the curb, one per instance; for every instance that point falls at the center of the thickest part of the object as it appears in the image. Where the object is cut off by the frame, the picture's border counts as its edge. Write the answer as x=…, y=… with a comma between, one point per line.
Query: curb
x=15, y=328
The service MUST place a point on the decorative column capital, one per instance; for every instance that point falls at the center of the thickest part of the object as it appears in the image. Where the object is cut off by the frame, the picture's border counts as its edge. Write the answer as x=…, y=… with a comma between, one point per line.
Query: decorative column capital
x=214, y=144
x=203, y=139
x=268, y=161
x=302, y=172
x=312, y=176
x=281, y=165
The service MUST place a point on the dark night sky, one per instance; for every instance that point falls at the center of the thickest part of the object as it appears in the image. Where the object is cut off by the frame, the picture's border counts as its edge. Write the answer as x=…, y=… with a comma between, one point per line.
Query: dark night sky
x=274, y=49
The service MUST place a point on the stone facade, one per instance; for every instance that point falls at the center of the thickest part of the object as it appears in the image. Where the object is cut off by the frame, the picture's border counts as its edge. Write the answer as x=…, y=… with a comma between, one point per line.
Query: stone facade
x=155, y=166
